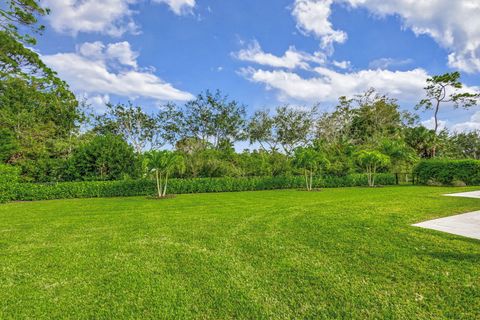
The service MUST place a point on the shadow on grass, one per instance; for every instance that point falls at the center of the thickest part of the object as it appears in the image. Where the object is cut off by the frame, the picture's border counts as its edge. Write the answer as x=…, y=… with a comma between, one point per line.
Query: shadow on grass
x=454, y=256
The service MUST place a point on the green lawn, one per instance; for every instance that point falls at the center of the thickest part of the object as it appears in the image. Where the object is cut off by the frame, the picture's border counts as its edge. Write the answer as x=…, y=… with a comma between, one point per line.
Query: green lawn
x=339, y=253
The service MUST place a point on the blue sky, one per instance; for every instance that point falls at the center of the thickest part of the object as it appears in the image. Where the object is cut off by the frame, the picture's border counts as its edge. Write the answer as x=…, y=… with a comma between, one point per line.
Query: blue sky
x=262, y=53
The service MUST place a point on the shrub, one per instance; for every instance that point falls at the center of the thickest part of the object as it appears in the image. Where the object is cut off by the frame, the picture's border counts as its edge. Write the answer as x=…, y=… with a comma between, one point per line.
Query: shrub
x=448, y=171
x=9, y=175
x=92, y=189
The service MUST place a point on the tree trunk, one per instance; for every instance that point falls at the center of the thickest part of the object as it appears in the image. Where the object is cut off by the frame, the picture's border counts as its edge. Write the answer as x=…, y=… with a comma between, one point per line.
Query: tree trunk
x=311, y=180
x=159, y=188
x=374, y=171
x=434, y=148
x=306, y=179
x=369, y=175
x=165, y=187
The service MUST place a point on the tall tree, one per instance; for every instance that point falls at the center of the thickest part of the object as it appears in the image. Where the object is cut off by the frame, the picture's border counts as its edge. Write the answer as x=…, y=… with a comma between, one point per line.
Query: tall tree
x=376, y=116
x=294, y=126
x=444, y=89
x=35, y=105
x=15, y=14
x=137, y=127
x=335, y=127
x=262, y=130
x=214, y=118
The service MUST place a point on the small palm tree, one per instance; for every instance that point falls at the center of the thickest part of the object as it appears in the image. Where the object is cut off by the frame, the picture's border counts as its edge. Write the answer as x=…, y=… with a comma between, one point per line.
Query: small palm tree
x=370, y=161
x=161, y=164
x=311, y=162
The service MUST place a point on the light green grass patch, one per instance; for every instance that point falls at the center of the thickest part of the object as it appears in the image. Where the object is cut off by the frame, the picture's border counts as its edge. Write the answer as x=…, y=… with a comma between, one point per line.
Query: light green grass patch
x=338, y=253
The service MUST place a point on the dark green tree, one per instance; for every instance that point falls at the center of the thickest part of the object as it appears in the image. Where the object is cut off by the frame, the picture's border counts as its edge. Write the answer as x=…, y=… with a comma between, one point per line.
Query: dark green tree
x=213, y=118
x=105, y=157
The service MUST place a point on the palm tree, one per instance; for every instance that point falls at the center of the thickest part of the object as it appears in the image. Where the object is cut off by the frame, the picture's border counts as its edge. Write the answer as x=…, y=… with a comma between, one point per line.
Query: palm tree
x=310, y=161
x=161, y=164
x=370, y=161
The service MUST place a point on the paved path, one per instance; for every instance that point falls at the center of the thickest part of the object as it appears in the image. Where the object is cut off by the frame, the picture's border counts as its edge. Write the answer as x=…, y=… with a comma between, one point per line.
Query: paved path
x=467, y=224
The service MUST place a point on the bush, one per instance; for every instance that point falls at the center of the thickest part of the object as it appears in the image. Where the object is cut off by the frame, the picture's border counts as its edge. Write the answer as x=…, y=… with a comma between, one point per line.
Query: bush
x=9, y=175
x=447, y=172
x=124, y=188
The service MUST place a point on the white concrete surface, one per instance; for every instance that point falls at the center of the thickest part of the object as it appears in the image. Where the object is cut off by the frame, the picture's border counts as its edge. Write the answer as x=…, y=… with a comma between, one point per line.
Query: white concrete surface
x=471, y=194
x=467, y=224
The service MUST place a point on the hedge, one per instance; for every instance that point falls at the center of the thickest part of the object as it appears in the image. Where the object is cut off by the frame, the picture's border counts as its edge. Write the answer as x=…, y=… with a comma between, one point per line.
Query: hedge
x=92, y=189
x=448, y=172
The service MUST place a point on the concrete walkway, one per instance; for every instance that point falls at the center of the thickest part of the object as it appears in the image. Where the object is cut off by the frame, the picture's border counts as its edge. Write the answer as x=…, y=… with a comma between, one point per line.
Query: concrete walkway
x=467, y=224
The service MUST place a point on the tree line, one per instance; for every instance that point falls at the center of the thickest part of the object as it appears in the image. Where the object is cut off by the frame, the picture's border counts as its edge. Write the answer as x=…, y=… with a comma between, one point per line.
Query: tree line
x=51, y=136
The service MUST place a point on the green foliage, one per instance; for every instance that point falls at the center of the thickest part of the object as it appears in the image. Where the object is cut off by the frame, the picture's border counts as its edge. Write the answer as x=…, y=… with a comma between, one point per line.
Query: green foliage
x=375, y=117
x=105, y=157
x=144, y=187
x=161, y=165
x=443, y=89
x=213, y=118
x=15, y=14
x=311, y=162
x=8, y=145
x=137, y=127
x=9, y=176
x=402, y=157
x=371, y=161
x=288, y=128
x=465, y=145
x=447, y=171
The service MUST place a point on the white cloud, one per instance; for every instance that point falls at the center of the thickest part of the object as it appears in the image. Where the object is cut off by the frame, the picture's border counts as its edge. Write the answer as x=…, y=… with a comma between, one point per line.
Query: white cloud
x=97, y=102
x=472, y=124
x=341, y=64
x=312, y=17
x=328, y=85
x=117, y=54
x=109, y=17
x=179, y=6
x=452, y=24
x=292, y=58
x=385, y=63
x=430, y=124
x=122, y=52
x=96, y=69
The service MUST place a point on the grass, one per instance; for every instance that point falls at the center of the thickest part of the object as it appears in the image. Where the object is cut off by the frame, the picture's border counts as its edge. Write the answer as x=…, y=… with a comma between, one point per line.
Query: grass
x=339, y=253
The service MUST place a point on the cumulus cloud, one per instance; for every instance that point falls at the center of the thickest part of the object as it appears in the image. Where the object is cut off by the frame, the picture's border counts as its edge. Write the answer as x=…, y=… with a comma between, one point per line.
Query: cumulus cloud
x=430, y=124
x=292, y=58
x=452, y=24
x=179, y=6
x=472, y=124
x=99, y=70
x=312, y=17
x=341, y=64
x=328, y=85
x=109, y=17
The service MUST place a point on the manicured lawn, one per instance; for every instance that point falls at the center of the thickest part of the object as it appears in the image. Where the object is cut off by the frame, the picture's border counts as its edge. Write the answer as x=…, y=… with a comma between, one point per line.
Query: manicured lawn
x=338, y=253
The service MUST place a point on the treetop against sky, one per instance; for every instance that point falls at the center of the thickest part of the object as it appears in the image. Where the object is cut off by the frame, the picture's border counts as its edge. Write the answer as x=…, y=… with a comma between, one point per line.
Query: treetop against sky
x=263, y=53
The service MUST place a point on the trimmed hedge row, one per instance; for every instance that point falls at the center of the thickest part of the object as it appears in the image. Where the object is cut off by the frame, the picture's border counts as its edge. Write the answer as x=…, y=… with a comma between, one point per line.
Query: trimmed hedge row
x=92, y=189
x=448, y=172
